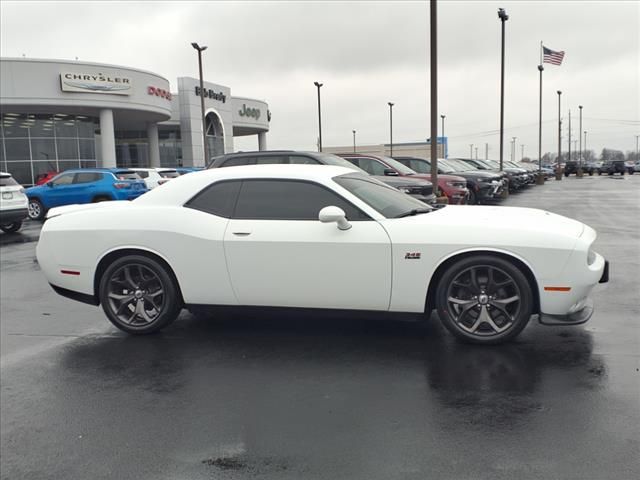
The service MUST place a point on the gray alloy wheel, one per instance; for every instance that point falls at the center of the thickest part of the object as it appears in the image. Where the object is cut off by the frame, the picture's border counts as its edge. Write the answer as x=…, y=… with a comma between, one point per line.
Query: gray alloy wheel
x=35, y=209
x=11, y=227
x=484, y=299
x=138, y=295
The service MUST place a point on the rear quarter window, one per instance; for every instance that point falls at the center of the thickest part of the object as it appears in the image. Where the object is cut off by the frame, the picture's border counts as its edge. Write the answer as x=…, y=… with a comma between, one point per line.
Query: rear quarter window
x=7, y=181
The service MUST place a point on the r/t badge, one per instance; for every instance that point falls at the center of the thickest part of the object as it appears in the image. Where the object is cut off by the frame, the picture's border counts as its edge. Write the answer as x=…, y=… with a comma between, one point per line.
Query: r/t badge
x=412, y=256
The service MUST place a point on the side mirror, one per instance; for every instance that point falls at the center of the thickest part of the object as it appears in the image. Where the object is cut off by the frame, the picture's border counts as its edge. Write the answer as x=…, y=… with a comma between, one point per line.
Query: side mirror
x=49, y=184
x=390, y=172
x=334, y=214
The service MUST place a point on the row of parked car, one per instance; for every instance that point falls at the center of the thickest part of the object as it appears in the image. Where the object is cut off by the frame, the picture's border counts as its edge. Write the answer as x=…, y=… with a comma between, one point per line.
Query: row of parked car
x=610, y=167
x=460, y=181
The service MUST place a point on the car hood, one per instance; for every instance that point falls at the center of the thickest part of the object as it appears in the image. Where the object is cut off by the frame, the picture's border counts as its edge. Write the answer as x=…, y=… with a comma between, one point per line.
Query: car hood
x=480, y=220
x=479, y=174
x=445, y=177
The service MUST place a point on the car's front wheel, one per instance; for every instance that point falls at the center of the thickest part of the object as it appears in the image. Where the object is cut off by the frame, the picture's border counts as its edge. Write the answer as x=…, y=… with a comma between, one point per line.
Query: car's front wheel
x=11, y=227
x=35, y=209
x=139, y=295
x=484, y=299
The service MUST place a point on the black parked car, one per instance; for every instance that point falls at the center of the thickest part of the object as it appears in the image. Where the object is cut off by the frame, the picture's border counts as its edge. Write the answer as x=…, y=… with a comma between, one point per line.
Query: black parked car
x=420, y=189
x=611, y=167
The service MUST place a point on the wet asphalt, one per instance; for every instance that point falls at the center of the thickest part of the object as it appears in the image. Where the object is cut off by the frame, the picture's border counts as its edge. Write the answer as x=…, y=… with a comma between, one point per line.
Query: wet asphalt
x=250, y=395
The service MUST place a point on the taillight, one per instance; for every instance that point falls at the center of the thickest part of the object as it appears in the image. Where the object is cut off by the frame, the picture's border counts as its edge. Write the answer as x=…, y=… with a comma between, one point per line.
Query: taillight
x=121, y=185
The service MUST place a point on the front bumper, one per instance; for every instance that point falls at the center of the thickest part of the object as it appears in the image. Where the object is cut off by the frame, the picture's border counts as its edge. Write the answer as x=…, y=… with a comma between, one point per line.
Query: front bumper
x=576, y=318
x=13, y=215
x=428, y=199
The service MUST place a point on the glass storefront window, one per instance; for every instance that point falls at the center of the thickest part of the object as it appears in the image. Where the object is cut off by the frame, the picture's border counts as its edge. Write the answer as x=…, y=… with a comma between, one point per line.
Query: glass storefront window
x=87, y=148
x=43, y=149
x=66, y=165
x=67, y=148
x=42, y=168
x=66, y=127
x=21, y=171
x=88, y=164
x=17, y=148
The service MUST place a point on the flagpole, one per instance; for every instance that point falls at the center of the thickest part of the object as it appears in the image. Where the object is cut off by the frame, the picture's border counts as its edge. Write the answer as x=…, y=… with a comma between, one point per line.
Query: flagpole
x=541, y=69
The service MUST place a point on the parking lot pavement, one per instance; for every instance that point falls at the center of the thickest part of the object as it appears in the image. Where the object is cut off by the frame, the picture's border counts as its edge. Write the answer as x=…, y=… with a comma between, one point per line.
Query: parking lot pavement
x=29, y=232
x=258, y=396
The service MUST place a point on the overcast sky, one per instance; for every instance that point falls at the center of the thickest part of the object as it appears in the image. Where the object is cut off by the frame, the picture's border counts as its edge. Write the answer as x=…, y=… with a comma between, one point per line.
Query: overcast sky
x=367, y=54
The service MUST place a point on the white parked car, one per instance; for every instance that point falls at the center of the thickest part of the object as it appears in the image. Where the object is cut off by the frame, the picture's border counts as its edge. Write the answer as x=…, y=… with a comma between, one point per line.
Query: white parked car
x=13, y=204
x=319, y=237
x=155, y=176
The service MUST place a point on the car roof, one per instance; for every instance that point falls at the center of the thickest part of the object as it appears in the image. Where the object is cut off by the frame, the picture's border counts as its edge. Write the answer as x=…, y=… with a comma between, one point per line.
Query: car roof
x=181, y=189
x=97, y=169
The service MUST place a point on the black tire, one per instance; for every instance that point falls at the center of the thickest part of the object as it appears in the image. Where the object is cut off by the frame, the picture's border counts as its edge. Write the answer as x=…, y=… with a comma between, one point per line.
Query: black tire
x=461, y=305
x=36, y=209
x=149, y=296
x=566, y=174
x=101, y=198
x=590, y=173
x=11, y=227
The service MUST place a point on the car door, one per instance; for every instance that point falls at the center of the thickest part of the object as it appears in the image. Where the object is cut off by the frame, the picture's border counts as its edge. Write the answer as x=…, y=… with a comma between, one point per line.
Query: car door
x=87, y=184
x=60, y=191
x=279, y=254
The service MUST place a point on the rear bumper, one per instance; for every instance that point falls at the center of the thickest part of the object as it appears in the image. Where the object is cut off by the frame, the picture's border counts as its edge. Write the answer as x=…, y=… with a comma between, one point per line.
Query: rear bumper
x=80, y=297
x=13, y=215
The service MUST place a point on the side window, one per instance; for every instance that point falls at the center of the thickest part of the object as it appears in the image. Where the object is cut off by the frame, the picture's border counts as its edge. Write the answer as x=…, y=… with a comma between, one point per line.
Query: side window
x=217, y=199
x=142, y=173
x=418, y=166
x=65, y=179
x=289, y=200
x=371, y=166
x=300, y=160
x=237, y=161
x=87, y=177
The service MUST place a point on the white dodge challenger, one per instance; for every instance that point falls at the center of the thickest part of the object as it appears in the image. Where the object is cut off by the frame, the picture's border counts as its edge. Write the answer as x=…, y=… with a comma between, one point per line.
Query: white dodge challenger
x=320, y=237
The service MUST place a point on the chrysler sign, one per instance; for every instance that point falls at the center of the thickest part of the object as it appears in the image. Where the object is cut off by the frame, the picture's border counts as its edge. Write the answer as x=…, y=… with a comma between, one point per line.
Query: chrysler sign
x=95, y=83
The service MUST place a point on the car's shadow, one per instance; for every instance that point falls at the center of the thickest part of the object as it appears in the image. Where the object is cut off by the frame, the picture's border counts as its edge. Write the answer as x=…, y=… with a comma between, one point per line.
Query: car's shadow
x=460, y=375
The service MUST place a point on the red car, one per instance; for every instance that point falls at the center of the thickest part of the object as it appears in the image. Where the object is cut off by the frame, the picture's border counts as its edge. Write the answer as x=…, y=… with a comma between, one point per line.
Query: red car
x=454, y=187
x=43, y=178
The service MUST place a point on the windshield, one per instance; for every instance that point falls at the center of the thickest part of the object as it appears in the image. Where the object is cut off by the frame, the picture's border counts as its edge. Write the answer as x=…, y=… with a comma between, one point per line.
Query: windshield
x=445, y=166
x=403, y=169
x=386, y=200
x=329, y=159
x=493, y=164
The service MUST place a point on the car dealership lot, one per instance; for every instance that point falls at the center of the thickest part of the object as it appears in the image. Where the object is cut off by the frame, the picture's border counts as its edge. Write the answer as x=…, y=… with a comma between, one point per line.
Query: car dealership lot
x=246, y=395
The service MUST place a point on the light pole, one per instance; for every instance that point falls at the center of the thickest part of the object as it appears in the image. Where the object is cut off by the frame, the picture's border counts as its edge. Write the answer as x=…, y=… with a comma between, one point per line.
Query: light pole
x=637, y=136
x=444, y=154
x=471, y=150
x=513, y=149
x=486, y=151
x=204, y=119
x=558, y=168
x=318, y=85
x=580, y=150
x=522, y=154
x=585, y=142
x=502, y=15
x=354, y=141
x=433, y=113
x=476, y=152
x=390, y=129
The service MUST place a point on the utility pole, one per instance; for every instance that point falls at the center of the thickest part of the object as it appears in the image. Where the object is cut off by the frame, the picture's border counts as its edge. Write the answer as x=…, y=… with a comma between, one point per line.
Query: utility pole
x=558, y=169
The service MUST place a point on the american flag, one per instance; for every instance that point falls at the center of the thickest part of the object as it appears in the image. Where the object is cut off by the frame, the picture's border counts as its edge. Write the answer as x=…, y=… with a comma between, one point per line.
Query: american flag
x=549, y=56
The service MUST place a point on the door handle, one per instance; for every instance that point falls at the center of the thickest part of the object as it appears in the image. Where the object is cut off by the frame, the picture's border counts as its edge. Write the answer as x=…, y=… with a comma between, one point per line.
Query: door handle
x=241, y=234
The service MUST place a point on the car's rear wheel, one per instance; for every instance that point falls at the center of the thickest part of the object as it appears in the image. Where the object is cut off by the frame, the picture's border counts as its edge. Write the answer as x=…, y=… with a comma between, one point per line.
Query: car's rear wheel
x=35, y=209
x=139, y=295
x=11, y=227
x=484, y=299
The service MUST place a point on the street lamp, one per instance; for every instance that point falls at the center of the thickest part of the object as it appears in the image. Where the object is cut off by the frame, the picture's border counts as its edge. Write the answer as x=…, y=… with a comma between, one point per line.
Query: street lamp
x=471, y=150
x=513, y=149
x=580, y=150
x=354, y=141
x=558, y=168
x=318, y=84
x=390, y=128
x=204, y=119
x=585, y=142
x=522, y=154
x=502, y=15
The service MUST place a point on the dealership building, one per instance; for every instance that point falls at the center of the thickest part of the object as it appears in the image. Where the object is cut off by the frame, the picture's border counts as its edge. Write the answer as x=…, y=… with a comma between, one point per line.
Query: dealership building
x=58, y=114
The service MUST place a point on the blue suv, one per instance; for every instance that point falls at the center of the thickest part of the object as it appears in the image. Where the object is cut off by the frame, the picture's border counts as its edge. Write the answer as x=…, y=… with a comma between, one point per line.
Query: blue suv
x=84, y=185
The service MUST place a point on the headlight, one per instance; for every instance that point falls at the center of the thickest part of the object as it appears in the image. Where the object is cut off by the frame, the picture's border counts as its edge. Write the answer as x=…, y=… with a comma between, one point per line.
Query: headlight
x=591, y=257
